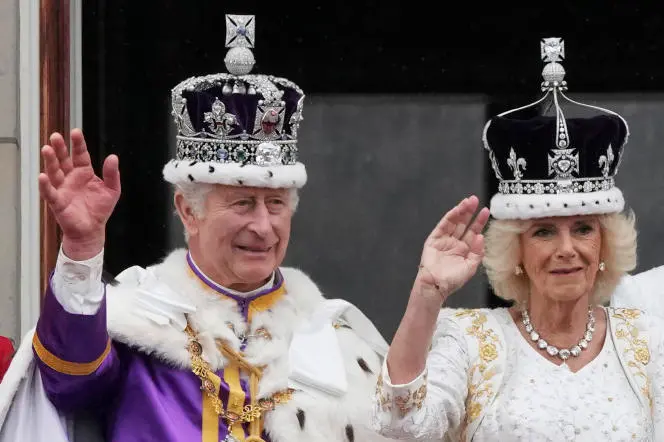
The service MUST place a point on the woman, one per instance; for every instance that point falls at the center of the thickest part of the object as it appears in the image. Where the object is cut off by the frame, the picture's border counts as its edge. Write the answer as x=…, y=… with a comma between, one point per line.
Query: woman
x=557, y=365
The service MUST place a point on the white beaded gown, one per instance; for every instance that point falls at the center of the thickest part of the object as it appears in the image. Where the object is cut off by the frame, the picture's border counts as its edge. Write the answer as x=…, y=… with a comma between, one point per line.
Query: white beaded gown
x=537, y=401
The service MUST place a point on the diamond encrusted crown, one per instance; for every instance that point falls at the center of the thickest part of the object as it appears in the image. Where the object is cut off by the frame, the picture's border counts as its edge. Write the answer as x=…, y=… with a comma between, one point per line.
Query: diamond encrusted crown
x=238, y=117
x=555, y=154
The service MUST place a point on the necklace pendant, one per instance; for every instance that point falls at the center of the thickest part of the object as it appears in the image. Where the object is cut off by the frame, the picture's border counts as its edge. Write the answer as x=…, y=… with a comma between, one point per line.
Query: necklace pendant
x=564, y=354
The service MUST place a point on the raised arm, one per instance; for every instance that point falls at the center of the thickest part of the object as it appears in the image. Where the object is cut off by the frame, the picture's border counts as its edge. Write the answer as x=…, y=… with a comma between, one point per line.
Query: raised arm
x=77, y=362
x=422, y=389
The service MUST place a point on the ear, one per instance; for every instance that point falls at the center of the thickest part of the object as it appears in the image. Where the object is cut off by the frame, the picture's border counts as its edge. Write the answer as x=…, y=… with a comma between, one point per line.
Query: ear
x=186, y=213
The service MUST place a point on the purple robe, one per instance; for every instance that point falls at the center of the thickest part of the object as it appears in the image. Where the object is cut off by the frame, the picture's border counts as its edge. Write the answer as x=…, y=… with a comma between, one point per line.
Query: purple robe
x=129, y=363
x=138, y=397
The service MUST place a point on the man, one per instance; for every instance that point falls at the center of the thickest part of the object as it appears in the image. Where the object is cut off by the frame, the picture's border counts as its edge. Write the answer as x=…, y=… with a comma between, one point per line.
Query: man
x=217, y=342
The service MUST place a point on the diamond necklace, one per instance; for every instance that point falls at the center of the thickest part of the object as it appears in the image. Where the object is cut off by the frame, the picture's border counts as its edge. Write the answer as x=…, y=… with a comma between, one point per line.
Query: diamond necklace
x=552, y=350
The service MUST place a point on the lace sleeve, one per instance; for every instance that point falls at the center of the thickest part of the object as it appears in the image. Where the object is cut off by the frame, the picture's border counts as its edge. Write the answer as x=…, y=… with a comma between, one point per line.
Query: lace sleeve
x=432, y=404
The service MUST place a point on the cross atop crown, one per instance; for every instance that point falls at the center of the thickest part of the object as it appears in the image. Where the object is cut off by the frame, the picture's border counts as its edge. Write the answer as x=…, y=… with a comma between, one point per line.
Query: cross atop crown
x=240, y=31
x=240, y=37
x=553, y=49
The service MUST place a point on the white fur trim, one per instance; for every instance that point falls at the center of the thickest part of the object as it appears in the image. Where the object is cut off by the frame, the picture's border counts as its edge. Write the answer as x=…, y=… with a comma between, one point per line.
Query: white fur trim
x=232, y=174
x=161, y=336
x=326, y=417
x=563, y=204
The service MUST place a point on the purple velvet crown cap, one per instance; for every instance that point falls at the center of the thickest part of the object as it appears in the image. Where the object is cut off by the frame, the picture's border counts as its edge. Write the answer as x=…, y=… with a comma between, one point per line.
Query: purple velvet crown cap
x=553, y=165
x=237, y=128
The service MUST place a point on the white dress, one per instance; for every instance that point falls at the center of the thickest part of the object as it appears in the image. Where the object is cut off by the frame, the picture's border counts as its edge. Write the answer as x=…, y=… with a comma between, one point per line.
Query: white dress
x=538, y=400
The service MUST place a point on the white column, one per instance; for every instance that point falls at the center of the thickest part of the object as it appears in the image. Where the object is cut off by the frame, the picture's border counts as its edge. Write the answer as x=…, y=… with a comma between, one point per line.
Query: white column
x=29, y=90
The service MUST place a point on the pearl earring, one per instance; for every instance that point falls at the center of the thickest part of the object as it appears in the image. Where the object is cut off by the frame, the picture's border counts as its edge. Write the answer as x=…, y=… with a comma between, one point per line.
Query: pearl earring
x=602, y=266
x=518, y=270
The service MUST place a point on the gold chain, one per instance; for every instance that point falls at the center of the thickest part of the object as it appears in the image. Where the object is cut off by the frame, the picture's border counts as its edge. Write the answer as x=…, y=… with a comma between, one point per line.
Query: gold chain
x=202, y=369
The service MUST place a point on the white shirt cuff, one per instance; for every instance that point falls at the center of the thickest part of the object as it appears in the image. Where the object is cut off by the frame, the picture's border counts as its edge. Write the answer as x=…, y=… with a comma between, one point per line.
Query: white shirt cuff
x=412, y=385
x=401, y=399
x=77, y=285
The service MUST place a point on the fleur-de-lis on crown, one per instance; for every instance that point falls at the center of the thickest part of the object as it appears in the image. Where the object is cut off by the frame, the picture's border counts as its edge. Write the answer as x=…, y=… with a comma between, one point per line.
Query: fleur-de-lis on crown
x=516, y=164
x=605, y=161
x=220, y=122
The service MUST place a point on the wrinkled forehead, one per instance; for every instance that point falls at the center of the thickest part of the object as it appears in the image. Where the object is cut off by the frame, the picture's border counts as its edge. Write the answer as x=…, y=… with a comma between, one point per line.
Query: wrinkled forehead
x=565, y=220
x=226, y=191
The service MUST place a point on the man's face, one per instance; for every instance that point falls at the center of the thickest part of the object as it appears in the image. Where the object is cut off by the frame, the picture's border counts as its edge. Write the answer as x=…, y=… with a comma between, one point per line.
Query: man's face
x=243, y=234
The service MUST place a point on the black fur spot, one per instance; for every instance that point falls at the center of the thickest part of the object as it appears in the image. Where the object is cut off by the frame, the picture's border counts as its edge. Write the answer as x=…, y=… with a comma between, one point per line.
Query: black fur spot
x=108, y=278
x=532, y=207
x=240, y=182
x=193, y=162
x=300, y=418
x=270, y=174
x=596, y=202
x=565, y=205
x=363, y=365
x=211, y=169
x=177, y=164
x=191, y=178
x=350, y=434
x=548, y=204
x=583, y=203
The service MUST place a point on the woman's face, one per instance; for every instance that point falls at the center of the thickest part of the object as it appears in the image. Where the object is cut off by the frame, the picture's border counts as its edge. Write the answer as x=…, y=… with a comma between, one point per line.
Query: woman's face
x=561, y=256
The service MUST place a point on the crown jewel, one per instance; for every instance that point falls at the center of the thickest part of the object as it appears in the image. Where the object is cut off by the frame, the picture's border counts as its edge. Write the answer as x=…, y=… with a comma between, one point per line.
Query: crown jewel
x=240, y=35
x=238, y=118
x=555, y=155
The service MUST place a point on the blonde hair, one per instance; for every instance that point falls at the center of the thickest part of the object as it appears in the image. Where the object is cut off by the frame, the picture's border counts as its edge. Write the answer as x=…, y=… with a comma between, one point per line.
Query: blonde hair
x=502, y=256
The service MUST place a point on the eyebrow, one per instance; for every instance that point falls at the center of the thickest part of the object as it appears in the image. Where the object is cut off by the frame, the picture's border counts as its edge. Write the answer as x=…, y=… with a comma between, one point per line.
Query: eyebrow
x=550, y=225
x=240, y=194
x=537, y=225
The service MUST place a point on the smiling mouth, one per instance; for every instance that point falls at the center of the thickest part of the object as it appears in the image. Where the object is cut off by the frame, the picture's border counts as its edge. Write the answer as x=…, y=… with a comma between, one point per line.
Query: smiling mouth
x=566, y=271
x=254, y=249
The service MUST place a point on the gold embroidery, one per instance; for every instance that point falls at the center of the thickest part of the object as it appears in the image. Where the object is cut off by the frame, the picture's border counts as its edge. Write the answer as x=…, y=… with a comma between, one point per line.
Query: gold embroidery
x=405, y=403
x=480, y=374
x=488, y=352
x=411, y=400
x=642, y=355
x=384, y=399
x=636, y=345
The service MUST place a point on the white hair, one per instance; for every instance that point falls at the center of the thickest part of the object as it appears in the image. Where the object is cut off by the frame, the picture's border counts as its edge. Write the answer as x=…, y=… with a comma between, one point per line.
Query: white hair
x=196, y=194
x=503, y=246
